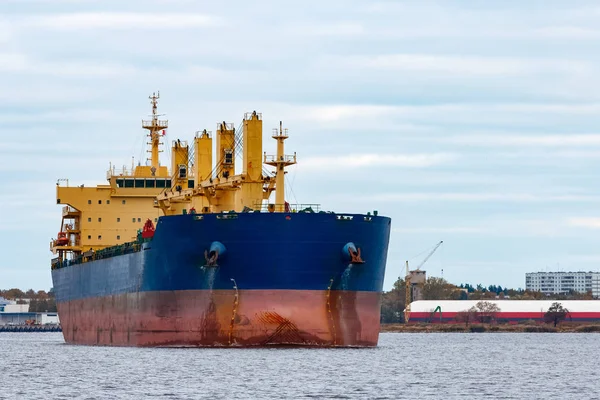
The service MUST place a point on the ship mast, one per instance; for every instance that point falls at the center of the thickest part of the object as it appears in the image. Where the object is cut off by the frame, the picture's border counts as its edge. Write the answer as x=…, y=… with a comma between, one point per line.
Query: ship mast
x=280, y=162
x=156, y=128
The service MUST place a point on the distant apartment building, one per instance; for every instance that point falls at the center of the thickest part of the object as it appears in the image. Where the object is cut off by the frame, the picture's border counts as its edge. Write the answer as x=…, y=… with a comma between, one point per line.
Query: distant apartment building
x=563, y=282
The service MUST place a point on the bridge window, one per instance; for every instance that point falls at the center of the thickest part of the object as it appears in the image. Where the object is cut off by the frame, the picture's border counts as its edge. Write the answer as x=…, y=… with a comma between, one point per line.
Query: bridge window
x=150, y=183
x=160, y=183
x=120, y=183
x=129, y=183
x=139, y=183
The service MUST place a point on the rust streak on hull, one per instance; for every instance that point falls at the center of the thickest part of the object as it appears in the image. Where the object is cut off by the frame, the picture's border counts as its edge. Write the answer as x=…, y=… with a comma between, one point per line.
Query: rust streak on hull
x=203, y=318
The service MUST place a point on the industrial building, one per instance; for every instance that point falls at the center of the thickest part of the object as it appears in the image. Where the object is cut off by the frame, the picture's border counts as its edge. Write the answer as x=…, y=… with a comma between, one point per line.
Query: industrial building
x=560, y=282
x=12, y=313
x=510, y=310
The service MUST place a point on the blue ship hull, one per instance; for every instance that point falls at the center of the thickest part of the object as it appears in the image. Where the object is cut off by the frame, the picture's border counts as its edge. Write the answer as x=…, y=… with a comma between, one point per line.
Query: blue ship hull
x=288, y=275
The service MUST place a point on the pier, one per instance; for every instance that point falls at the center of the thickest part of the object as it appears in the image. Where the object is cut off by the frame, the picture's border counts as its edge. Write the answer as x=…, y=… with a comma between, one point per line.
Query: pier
x=30, y=328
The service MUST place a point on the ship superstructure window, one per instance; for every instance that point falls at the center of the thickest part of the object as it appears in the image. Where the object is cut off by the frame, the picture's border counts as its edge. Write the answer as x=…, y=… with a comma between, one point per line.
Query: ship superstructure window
x=160, y=183
x=107, y=201
x=228, y=156
x=99, y=201
x=133, y=220
x=89, y=202
x=139, y=220
x=99, y=219
x=123, y=202
x=89, y=220
x=99, y=237
x=118, y=237
x=139, y=183
x=182, y=171
x=150, y=183
x=118, y=219
x=190, y=184
x=89, y=237
x=129, y=183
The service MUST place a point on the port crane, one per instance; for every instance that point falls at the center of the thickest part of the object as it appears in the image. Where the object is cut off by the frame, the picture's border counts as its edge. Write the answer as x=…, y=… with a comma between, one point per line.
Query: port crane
x=407, y=282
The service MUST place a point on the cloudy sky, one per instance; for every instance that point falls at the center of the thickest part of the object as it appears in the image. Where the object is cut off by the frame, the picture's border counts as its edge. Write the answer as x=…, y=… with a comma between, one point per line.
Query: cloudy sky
x=471, y=122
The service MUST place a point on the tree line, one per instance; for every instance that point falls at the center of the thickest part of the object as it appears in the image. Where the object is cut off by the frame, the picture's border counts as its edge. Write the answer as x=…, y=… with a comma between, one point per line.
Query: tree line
x=40, y=301
x=434, y=288
x=486, y=312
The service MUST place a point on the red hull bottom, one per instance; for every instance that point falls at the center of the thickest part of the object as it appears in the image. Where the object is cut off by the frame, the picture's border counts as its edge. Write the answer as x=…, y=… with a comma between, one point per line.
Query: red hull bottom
x=204, y=318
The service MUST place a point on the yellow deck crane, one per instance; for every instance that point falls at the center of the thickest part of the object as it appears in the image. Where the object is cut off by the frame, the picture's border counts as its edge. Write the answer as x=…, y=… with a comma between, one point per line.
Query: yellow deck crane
x=407, y=281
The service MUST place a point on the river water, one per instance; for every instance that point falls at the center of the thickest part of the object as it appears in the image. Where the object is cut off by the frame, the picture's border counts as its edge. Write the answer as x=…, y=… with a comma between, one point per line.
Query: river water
x=404, y=366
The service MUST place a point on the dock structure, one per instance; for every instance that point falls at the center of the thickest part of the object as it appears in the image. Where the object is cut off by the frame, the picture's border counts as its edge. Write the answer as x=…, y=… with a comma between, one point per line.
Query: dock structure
x=30, y=328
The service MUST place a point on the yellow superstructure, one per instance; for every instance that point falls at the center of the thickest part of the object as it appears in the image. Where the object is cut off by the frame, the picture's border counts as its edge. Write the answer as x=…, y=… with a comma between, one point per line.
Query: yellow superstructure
x=222, y=190
x=106, y=215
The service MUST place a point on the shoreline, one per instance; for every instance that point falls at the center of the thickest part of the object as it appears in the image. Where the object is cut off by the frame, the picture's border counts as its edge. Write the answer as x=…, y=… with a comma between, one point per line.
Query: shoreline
x=564, y=327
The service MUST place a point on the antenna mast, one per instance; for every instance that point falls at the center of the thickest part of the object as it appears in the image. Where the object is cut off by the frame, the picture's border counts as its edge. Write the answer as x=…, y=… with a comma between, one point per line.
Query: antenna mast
x=280, y=161
x=157, y=130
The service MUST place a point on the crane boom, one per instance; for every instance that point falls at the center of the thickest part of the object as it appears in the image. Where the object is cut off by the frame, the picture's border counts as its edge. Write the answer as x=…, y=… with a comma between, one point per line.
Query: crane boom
x=430, y=254
x=408, y=289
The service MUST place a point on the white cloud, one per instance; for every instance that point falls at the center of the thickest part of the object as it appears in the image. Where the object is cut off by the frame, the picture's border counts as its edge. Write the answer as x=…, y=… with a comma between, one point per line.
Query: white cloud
x=332, y=29
x=457, y=112
x=475, y=65
x=570, y=32
x=584, y=222
x=64, y=115
x=481, y=197
x=525, y=140
x=118, y=20
x=25, y=65
x=457, y=229
x=338, y=112
x=379, y=160
x=498, y=226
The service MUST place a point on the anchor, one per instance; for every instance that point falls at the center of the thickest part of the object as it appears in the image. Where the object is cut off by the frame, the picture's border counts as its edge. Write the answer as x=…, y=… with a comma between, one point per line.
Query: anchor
x=352, y=253
x=212, y=255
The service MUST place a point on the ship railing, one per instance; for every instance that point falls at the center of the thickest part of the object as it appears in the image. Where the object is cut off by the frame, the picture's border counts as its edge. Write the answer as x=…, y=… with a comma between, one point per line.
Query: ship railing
x=228, y=126
x=200, y=134
x=159, y=123
x=270, y=158
x=248, y=116
x=287, y=207
x=280, y=134
x=118, y=172
x=179, y=143
x=109, y=252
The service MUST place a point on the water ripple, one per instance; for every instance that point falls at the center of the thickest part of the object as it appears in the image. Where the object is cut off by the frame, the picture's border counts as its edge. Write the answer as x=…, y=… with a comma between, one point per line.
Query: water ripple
x=424, y=366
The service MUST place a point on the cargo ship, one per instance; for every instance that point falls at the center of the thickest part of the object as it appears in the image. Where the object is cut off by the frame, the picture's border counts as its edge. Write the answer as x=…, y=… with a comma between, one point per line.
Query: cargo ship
x=199, y=255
